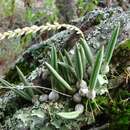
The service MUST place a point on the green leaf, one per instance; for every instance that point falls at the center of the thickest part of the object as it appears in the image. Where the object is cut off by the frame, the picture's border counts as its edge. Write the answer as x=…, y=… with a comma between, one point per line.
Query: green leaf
x=54, y=58
x=22, y=77
x=125, y=44
x=68, y=58
x=64, y=72
x=111, y=44
x=78, y=63
x=69, y=115
x=26, y=83
x=58, y=77
x=68, y=67
x=88, y=52
x=54, y=65
x=96, y=69
x=83, y=58
x=18, y=92
x=61, y=56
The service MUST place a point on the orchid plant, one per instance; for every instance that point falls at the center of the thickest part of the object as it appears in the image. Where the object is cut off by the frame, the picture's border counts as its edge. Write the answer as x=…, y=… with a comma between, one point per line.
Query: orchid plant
x=68, y=72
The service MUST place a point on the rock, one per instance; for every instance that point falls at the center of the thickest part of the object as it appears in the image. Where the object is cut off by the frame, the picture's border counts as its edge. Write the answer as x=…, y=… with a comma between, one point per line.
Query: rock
x=43, y=98
x=81, y=84
x=79, y=107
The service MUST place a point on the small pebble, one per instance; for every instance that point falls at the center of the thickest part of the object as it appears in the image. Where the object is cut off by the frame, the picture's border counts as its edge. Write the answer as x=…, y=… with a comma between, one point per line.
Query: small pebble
x=53, y=96
x=43, y=98
x=77, y=98
x=89, y=70
x=83, y=91
x=79, y=107
x=81, y=84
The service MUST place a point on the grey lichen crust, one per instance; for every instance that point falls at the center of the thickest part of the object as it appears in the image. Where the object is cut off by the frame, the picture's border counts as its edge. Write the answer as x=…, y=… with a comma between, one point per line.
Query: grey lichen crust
x=102, y=32
x=44, y=117
x=8, y=104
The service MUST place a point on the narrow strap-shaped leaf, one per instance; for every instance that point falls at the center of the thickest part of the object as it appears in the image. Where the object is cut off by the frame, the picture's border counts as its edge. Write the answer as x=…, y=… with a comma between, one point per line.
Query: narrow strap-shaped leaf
x=22, y=77
x=18, y=92
x=96, y=69
x=61, y=56
x=69, y=115
x=68, y=58
x=58, y=77
x=54, y=58
x=83, y=58
x=88, y=52
x=68, y=67
x=54, y=65
x=26, y=83
x=78, y=63
x=111, y=44
x=64, y=71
